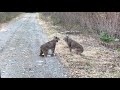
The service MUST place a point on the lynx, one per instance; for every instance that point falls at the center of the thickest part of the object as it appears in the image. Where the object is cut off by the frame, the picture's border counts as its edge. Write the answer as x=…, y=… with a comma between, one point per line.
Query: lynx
x=73, y=45
x=49, y=46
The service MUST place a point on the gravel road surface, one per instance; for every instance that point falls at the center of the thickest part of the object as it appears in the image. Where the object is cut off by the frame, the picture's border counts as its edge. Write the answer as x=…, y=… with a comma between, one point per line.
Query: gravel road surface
x=20, y=41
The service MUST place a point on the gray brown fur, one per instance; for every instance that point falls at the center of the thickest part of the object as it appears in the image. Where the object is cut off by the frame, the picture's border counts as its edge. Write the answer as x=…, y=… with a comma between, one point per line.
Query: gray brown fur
x=73, y=45
x=47, y=46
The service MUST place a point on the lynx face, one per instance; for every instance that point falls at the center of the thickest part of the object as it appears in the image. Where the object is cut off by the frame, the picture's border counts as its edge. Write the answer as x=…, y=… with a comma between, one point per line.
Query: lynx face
x=56, y=38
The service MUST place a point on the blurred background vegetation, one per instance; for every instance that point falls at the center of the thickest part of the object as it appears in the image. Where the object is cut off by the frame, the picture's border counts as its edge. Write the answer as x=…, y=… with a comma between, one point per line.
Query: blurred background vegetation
x=93, y=23
x=7, y=16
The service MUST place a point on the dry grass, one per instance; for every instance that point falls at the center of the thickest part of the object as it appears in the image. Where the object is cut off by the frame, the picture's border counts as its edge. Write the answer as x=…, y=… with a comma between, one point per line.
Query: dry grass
x=96, y=61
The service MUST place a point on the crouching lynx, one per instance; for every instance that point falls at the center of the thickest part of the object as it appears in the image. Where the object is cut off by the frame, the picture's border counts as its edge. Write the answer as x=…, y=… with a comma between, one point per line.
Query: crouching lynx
x=73, y=45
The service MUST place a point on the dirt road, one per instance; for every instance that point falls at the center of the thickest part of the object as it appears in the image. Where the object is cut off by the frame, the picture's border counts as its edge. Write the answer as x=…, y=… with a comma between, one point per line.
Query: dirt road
x=20, y=41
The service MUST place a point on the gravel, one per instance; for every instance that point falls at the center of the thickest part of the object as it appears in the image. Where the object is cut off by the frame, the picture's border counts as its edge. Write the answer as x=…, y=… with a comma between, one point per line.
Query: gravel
x=20, y=41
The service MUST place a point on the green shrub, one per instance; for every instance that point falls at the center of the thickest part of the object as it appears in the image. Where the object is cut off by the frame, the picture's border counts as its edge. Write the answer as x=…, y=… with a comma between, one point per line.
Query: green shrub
x=106, y=38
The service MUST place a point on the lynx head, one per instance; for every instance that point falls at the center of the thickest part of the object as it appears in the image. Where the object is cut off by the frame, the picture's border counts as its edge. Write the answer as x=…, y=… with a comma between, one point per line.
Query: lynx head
x=56, y=38
x=66, y=38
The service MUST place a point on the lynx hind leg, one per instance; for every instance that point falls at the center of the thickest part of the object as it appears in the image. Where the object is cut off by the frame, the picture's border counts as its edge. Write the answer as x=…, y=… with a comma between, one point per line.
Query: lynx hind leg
x=45, y=53
x=78, y=51
x=53, y=50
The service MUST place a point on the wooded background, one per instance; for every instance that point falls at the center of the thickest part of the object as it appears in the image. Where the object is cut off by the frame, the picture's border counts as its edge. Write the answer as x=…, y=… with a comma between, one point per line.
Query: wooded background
x=88, y=22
